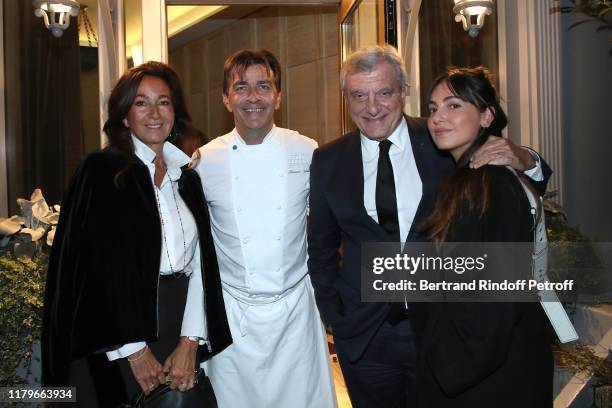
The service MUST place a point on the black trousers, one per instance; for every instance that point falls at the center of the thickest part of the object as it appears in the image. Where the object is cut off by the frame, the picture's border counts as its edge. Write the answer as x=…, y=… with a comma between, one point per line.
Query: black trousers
x=107, y=384
x=385, y=375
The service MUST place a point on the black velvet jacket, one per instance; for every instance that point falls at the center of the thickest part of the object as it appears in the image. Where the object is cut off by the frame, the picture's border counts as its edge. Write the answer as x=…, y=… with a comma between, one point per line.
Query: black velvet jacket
x=103, y=272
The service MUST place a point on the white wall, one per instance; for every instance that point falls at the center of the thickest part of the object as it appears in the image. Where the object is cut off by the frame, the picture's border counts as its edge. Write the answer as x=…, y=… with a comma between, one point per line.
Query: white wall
x=587, y=116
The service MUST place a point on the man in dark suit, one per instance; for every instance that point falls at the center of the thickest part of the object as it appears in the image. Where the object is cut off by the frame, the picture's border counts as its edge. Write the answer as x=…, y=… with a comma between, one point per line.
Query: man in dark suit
x=377, y=184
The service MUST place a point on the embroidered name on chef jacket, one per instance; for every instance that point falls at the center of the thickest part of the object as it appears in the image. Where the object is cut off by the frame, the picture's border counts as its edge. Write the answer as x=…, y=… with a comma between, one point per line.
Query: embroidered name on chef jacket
x=298, y=163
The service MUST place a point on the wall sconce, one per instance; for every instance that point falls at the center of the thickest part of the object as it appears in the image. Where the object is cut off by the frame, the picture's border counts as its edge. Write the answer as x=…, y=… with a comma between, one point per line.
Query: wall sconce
x=467, y=10
x=56, y=14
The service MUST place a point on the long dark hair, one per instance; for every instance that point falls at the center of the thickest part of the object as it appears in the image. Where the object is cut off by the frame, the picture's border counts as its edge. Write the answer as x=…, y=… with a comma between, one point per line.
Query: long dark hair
x=123, y=95
x=465, y=185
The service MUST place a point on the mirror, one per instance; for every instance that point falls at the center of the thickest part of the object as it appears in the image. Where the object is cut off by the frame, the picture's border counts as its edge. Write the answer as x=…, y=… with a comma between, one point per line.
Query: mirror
x=358, y=28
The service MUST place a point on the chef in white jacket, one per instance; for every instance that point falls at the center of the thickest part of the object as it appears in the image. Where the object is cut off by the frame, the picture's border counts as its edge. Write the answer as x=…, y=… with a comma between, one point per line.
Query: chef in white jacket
x=256, y=181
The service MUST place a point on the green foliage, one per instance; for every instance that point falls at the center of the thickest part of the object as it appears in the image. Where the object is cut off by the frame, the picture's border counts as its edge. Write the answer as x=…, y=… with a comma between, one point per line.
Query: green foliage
x=22, y=283
x=581, y=358
x=575, y=256
x=559, y=230
x=594, y=11
x=577, y=356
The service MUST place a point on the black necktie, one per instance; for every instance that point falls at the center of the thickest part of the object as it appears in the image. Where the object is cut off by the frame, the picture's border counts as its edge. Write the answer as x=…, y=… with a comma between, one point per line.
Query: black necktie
x=386, y=203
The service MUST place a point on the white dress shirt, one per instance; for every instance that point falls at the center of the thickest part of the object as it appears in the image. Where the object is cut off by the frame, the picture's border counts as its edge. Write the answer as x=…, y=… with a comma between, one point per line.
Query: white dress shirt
x=180, y=254
x=408, y=185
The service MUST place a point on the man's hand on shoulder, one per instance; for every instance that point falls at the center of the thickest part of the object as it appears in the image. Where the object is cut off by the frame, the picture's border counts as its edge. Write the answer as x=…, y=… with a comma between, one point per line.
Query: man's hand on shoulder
x=501, y=151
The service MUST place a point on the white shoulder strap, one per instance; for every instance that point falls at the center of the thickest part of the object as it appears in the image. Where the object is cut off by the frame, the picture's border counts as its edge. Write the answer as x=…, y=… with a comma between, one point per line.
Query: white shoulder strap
x=548, y=298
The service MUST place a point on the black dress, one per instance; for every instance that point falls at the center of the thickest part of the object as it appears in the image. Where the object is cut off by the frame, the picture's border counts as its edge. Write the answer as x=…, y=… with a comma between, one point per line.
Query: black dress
x=488, y=354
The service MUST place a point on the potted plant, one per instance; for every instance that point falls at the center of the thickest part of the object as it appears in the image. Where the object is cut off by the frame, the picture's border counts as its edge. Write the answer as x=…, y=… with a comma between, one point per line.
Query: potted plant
x=24, y=240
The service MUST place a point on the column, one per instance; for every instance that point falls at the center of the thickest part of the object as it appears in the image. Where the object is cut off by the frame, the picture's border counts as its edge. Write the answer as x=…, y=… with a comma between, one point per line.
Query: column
x=111, y=52
x=530, y=61
x=154, y=31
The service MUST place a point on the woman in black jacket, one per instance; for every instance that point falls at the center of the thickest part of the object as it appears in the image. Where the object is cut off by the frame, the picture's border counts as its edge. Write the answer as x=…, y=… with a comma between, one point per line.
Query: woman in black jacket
x=480, y=354
x=133, y=272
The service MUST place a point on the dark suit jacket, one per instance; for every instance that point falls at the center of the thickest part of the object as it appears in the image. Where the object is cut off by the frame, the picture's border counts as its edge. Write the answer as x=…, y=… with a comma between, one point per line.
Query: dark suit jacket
x=101, y=289
x=488, y=354
x=338, y=217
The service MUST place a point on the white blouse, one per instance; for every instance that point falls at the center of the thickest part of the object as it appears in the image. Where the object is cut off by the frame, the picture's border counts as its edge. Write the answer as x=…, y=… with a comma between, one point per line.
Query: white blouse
x=178, y=255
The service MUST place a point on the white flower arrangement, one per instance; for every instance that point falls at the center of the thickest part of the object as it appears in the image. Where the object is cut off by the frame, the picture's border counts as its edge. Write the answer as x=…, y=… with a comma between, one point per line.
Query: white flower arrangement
x=36, y=223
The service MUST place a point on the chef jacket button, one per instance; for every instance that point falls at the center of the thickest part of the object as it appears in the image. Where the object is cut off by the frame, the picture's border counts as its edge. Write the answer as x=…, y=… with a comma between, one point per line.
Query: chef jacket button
x=279, y=207
x=278, y=269
x=239, y=209
x=278, y=237
x=245, y=241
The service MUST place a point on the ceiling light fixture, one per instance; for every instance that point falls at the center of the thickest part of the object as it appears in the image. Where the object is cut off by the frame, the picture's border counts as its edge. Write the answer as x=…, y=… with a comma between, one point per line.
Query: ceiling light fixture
x=468, y=10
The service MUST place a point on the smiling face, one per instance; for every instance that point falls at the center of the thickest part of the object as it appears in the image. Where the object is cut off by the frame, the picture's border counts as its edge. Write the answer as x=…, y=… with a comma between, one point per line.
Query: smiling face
x=376, y=100
x=151, y=116
x=454, y=123
x=252, y=99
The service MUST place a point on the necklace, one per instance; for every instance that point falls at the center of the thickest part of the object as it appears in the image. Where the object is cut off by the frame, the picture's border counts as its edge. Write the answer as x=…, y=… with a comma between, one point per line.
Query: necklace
x=155, y=188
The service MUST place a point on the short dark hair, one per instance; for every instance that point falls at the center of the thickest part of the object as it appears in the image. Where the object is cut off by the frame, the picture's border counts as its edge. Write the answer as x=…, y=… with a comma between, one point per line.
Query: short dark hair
x=123, y=95
x=475, y=86
x=241, y=60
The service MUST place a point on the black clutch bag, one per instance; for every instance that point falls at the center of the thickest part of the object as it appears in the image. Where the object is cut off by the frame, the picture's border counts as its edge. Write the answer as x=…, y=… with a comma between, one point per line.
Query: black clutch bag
x=200, y=396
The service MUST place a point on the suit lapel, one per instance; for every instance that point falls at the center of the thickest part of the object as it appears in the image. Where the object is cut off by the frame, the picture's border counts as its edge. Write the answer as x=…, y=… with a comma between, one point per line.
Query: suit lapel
x=419, y=140
x=352, y=175
x=353, y=165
